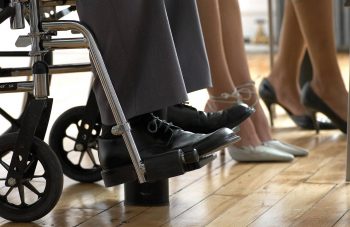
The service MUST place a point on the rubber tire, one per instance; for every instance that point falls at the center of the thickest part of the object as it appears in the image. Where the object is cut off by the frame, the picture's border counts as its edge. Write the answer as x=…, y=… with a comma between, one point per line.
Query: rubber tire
x=56, y=143
x=53, y=189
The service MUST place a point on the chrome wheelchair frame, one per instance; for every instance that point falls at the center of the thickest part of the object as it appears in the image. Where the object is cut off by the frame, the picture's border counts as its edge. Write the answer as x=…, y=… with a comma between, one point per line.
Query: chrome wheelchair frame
x=26, y=145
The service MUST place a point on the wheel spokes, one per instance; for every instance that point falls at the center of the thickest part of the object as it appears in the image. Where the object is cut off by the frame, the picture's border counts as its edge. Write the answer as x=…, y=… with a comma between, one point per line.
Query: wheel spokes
x=21, y=193
x=32, y=188
x=4, y=164
x=91, y=156
x=71, y=137
x=30, y=166
x=9, y=191
x=81, y=158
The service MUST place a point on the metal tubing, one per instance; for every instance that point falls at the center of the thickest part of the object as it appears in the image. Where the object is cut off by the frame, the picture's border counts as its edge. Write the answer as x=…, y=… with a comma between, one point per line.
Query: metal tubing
x=11, y=87
x=17, y=21
x=77, y=43
x=50, y=3
x=107, y=87
x=54, y=69
x=41, y=85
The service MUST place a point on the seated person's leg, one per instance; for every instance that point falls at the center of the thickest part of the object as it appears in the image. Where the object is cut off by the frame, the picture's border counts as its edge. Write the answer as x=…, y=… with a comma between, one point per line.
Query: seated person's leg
x=138, y=49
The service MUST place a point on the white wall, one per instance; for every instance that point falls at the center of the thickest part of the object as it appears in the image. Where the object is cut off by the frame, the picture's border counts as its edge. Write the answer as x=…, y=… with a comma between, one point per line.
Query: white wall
x=253, y=10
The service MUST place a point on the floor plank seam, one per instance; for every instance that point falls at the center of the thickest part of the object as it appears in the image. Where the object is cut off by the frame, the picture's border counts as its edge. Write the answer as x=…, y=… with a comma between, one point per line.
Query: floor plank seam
x=325, y=195
x=168, y=221
x=102, y=211
x=341, y=217
x=193, y=182
x=202, y=176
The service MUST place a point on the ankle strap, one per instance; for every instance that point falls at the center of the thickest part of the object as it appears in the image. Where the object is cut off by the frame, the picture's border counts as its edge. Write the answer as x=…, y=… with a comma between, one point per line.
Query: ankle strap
x=238, y=95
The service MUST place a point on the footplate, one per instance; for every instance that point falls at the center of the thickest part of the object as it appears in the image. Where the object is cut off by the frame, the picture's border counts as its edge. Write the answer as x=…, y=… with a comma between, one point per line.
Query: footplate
x=162, y=166
x=166, y=165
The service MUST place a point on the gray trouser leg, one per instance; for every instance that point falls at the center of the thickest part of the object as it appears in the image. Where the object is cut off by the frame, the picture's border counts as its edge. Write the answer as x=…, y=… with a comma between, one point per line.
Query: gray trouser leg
x=147, y=69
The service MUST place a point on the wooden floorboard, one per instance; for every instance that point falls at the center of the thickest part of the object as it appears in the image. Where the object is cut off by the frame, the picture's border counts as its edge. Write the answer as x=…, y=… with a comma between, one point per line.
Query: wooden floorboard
x=310, y=191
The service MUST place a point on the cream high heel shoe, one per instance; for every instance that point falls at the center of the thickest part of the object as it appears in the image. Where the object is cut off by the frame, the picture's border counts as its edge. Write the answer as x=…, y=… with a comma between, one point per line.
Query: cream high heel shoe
x=285, y=147
x=259, y=153
x=269, y=151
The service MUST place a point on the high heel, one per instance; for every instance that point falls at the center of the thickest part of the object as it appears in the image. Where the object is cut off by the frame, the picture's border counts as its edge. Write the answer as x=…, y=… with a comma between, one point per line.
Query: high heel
x=315, y=104
x=268, y=95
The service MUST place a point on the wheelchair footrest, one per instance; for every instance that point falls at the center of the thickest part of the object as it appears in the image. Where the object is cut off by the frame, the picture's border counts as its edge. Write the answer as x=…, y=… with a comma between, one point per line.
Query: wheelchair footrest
x=166, y=165
x=158, y=167
x=118, y=175
x=202, y=162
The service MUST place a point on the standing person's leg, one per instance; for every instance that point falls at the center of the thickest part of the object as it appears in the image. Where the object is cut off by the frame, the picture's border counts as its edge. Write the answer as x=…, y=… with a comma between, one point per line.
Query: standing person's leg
x=282, y=86
x=211, y=24
x=285, y=72
x=316, y=21
x=251, y=149
x=237, y=62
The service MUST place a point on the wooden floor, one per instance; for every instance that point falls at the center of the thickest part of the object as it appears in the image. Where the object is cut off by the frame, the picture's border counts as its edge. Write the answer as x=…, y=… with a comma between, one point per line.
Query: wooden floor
x=309, y=191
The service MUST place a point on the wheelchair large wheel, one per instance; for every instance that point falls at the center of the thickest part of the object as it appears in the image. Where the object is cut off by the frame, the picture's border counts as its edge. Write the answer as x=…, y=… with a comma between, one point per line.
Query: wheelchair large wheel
x=41, y=186
x=82, y=166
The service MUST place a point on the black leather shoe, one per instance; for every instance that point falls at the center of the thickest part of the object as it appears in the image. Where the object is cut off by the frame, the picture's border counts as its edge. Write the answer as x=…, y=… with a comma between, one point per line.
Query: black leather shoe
x=190, y=119
x=315, y=104
x=157, y=139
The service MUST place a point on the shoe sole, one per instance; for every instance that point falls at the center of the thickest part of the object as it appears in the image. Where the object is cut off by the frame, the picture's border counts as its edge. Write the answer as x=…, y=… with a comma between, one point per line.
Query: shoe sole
x=220, y=144
x=174, y=167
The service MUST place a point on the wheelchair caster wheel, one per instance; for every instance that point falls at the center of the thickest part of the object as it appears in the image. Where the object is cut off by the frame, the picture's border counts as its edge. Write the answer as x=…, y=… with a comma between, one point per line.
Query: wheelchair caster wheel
x=80, y=165
x=36, y=194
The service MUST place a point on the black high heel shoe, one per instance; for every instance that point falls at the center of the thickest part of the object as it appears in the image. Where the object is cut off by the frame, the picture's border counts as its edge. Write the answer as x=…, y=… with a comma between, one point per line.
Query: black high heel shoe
x=311, y=100
x=309, y=122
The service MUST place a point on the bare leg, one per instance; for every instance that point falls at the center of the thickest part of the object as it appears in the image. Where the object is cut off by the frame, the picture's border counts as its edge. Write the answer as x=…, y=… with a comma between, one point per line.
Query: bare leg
x=211, y=24
x=237, y=61
x=316, y=22
x=284, y=75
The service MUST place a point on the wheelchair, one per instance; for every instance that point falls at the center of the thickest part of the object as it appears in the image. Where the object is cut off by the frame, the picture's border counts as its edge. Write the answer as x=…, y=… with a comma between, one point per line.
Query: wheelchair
x=33, y=179
x=85, y=140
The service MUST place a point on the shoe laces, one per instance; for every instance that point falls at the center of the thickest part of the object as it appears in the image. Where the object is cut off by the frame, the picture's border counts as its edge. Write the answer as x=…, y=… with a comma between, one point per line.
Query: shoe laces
x=157, y=124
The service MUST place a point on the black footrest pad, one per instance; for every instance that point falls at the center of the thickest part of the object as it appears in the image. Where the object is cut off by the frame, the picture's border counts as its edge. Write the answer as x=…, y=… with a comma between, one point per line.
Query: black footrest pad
x=202, y=162
x=119, y=175
x=163, y=166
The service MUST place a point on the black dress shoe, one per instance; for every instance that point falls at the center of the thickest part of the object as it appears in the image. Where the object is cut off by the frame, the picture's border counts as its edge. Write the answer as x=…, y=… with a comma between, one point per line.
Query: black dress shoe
x=157, y=138
x=190, y=119
x=315, y=104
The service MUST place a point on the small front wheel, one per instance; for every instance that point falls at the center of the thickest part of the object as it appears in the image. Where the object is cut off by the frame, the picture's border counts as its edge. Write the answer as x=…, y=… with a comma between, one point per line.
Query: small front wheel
x=38, y=191
x=79, y=165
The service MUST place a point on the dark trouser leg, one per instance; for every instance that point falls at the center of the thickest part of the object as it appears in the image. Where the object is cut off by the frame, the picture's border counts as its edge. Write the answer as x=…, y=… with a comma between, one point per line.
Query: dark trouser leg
x=137, y=45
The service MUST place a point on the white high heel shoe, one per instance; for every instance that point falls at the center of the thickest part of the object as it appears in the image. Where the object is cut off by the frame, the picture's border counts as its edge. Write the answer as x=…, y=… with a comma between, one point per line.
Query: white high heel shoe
x=259, y=153
x=285, y=147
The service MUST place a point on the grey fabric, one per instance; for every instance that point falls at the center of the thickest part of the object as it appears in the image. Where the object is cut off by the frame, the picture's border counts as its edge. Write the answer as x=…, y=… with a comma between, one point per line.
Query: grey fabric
x=153, y=50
